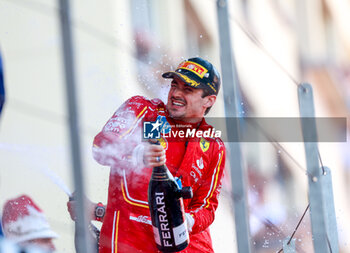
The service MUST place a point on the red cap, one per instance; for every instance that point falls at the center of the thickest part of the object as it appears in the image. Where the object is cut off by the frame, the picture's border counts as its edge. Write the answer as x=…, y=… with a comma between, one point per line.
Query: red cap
x=23, y=220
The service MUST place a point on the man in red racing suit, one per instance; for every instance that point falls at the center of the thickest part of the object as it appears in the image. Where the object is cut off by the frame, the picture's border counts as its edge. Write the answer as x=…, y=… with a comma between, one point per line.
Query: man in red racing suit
x=198, y=160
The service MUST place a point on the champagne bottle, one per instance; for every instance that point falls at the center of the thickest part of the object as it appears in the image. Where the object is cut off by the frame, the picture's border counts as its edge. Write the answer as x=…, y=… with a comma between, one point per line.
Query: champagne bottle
x=165, y=199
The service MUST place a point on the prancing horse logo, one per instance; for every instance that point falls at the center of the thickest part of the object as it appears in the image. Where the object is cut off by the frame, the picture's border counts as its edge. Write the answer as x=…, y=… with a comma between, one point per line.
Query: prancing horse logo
x=204, y=144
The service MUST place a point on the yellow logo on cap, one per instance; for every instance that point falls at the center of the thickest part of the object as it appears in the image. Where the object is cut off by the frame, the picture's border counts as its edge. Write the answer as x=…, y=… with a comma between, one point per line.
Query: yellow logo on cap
x=188, y=80
x=204, y=144
x=194, y=67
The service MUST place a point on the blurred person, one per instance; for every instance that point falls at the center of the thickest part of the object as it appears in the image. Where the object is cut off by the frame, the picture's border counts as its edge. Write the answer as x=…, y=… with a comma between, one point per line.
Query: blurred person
x=25, y=224
x=198, y=161
x=266, y=217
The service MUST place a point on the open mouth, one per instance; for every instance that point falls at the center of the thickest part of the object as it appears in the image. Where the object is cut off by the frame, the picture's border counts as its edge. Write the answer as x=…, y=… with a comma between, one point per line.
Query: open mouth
x=178, y=103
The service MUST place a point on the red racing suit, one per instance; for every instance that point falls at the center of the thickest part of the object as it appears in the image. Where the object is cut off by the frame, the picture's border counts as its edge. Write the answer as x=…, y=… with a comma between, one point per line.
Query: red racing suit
x=199, y=161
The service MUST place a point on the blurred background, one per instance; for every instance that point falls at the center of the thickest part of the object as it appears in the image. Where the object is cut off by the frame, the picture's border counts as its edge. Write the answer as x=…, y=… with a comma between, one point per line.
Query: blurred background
x=121, y=48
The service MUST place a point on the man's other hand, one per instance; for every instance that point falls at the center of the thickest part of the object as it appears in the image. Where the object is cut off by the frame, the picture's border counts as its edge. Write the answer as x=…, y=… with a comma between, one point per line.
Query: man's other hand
x=89, y=207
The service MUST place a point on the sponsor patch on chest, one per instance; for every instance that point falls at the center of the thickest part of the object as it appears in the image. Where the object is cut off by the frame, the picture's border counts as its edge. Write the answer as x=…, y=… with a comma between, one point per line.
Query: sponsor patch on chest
x=140, y=218
x=197, y=169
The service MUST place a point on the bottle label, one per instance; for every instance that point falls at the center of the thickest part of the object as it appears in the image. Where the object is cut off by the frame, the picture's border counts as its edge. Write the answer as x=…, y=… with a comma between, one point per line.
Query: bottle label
x=180, y=234
x=164, y=225
x=156, y=235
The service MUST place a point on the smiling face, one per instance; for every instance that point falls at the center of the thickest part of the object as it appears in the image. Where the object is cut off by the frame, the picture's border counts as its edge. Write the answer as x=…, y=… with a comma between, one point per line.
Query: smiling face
x=186, y=103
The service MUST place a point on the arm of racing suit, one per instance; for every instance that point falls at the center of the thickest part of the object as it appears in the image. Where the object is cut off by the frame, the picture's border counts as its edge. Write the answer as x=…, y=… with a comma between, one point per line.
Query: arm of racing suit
x=205, y=199
x=117, y=140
